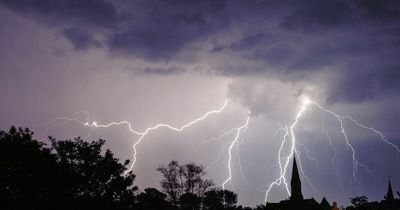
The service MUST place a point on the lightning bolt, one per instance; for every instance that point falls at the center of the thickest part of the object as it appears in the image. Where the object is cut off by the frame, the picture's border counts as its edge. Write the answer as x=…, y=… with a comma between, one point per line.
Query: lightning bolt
x=289, y=134
x=341, y=120
x=180, y=129
x=218, y=156
x=288, y=139
x=141, y=134
x=214, y=139
x=235, y=140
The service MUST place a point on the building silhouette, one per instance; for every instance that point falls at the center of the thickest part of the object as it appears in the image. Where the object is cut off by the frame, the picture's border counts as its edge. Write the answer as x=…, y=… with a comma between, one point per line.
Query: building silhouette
x=389, y=195
x=295, y=183
x=296, y=200
x=389, y=202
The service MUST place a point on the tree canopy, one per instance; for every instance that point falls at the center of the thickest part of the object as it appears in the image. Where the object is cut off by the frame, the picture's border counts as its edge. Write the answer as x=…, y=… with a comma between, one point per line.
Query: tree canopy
x=69, y=174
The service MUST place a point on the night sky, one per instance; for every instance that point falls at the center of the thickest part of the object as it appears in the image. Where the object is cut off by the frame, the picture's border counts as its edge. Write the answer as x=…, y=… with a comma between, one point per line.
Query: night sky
x=172, y=61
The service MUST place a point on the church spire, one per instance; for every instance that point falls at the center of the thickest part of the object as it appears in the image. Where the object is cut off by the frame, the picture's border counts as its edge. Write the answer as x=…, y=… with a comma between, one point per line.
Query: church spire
x=295, y=183
x=389, y=194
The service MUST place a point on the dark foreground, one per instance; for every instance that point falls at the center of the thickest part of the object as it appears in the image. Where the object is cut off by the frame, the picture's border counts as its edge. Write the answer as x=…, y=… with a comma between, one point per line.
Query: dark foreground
x=81, y=175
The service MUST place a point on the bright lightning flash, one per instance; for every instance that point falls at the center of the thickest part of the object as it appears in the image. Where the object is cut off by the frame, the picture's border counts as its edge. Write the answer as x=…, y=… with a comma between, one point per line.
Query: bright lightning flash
x=238, y=132
x=289, y=138
x=141, y=134
x=290, y=134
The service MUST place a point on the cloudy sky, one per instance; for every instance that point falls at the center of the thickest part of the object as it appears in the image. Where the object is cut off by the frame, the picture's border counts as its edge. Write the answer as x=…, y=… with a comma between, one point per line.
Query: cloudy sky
x=172, y=61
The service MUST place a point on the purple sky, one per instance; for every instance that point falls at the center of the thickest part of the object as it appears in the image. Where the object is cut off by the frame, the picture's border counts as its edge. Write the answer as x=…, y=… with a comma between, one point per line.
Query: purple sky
x=171, y=61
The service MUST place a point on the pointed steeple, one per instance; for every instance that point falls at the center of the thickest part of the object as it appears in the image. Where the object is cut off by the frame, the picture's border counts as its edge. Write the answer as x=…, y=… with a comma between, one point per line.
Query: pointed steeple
x=295, y=183
x=389, y=195
x=295, y=171
x=325, y=204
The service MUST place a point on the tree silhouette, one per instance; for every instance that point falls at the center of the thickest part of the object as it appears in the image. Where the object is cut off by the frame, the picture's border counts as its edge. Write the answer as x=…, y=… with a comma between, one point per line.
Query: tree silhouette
x=219, y=199
x=194, y=182
x=26, y=169
x=92, y=178
x=184, y=185
x=171, y=183
x=189, y=201
x=71, y=174
x=359, y=201
x=152, y=199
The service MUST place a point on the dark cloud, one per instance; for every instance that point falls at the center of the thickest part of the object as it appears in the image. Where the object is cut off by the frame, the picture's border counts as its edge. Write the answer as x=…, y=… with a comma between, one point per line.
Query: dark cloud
x=385, y=9
x=175, y=70
x=314, y=15
x=80, y=39
x=160, y=29
x=150, y=29
x=247, y=42
x=358, y=41
x=100, y=13
x=366, y=83
x=77, y=20
x=259, y=37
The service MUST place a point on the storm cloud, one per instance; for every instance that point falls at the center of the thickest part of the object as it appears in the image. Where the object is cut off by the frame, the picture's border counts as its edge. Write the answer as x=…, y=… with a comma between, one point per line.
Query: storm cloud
x=173, y=60
x=274, y=38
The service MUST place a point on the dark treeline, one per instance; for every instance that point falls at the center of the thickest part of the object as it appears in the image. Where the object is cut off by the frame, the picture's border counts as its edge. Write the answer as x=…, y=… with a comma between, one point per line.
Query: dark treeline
x=81, y=175
x=76, y=174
